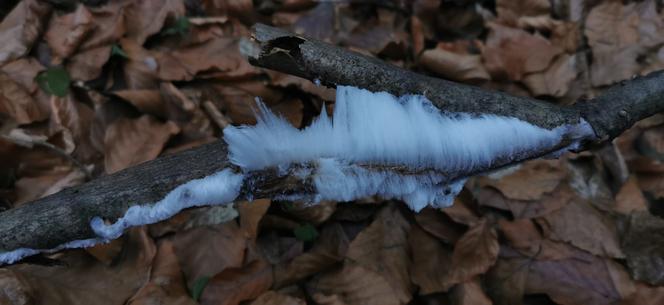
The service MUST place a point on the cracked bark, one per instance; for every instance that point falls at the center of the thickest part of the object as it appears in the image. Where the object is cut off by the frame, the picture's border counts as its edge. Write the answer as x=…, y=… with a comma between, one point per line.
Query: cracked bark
x=65, y=216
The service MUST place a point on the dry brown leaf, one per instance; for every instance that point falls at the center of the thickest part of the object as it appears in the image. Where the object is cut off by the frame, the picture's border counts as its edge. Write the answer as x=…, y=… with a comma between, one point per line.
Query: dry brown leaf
x=276, y=298
x=219, y=58
x=511, y=9
x=554, y=81
x=454, y=66
x=166, y=285
x=315, y=214
x=580, y=280
x=78, y=119
x=131, y=141
x=145, y=18
x=109, y=24
x=539, y=178
x=206, y=251
x=141, y=69
x=522, y=235
x=461, y=211
x=88, y=65
x=145, y=100
x=645, y=295
x=618, y=34
x=506, y=281
x=20, y=29
x=17, y=103
x=474, y=253
x=439, y=225
x=642, y=243
x=383, y=248
x=580, y=224
x=241, y=9
x=329, y=249
x=65, y=33
x=470, y=293
x=251, y=213
x=353, y=285
x=29, y=188
x=430, y=262
x=630, y=198
x=514, y=52
x=234, y=285
x=81, y=279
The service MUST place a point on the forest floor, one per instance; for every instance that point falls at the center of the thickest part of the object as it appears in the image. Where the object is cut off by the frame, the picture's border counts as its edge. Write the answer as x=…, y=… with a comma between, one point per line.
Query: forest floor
x=88, y=88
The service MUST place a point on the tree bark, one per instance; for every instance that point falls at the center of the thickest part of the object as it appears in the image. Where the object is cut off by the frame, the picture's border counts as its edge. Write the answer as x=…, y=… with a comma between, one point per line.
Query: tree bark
x=65, y=216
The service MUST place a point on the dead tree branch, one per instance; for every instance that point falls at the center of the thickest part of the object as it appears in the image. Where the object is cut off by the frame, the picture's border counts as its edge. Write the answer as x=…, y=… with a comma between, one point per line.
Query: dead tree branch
x=65, y=216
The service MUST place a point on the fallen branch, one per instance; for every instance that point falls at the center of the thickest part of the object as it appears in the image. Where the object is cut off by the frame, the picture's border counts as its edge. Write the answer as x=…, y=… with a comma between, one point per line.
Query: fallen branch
x=57, y=219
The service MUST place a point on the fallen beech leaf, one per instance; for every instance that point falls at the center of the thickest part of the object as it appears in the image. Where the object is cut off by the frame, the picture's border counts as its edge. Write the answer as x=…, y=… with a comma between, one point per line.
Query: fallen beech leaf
x=461, y=211
x=383, y=248
x=20, y=29
x=506, y=281
x=430, y=261
x=242, y=9
x=515, y=52
x=470, y=293
x=454, y=66
x=109, y=24
x=554, y=81
x=630, y=198
x=234, y=285
x=582, y=279
x=540, y=176
x=329, y=249
x=17, y=103
x=645, y=295
x=315, y=214
x=276, y=298
x=644, y=251
x=78, y=119
x=87, y=65
x=251, y=213
x=206, y=251
x=145, y=18
x=523, y=236
x=81, y=279
x=29, y=188
x=582, y=225
x=66, y=32
x=129, y=142
x=439, y=225
x=353, y=285
x=618, y=34
x=166, y=285
x=145, y=100
x=474, y=253
x=510, y=9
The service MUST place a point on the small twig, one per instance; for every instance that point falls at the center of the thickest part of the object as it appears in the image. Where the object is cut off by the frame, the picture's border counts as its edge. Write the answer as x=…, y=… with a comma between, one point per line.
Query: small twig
x=217, y=117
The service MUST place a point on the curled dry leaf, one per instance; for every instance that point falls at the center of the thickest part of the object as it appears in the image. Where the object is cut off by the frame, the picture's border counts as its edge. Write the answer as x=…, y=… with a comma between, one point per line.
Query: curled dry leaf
x=470, y=293
x=383, y=248
x=20, y=29
x=582, y=225
x=251, y=213
x=315, y=214
x=581, y=279
x=81, y=279
x=630, y=198
x=234, y=285
x=206, y=251
x=618, y=34
x=514, y=52
x=554, y=81
x=454, y=66
x=430, y=262
x=17, y=103
x=166, y=285
x=66, y=32
x=353, y=285
x=145, y=18
x=523, y=236
x=276, y=298
x=642, y=243
x=541, y=177
x=511, y=9
x=88, y=65
x=329, y=249
x=132, y=141
x=474, y=253
x=438, y=224
x=109, y=24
